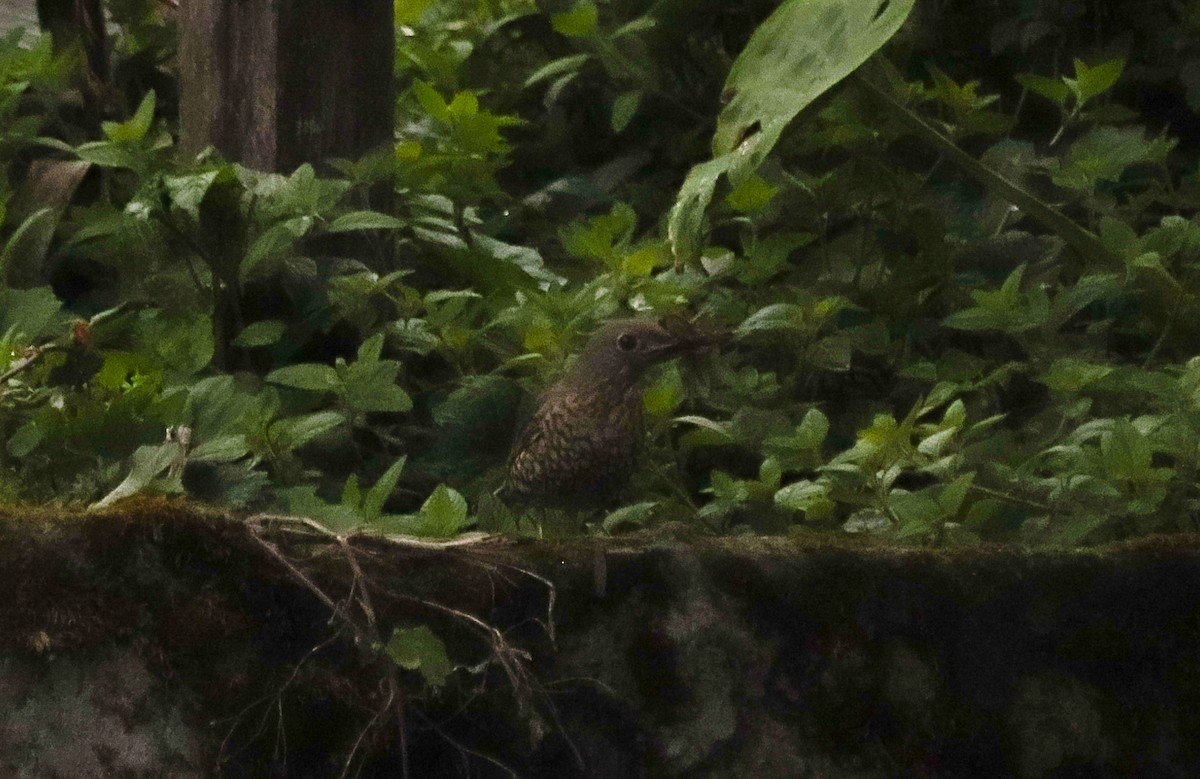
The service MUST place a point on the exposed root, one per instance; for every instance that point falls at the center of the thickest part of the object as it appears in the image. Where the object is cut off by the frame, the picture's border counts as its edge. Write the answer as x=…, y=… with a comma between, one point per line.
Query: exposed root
x=465, y=750
x=269, y=703
x=301, y=547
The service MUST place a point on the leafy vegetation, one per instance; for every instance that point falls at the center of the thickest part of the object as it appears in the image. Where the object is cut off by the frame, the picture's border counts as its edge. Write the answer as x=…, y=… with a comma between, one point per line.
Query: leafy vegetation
x=964, y=293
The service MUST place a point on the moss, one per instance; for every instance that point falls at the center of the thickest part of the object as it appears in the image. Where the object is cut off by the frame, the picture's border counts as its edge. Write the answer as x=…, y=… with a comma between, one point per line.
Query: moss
x=671, y=654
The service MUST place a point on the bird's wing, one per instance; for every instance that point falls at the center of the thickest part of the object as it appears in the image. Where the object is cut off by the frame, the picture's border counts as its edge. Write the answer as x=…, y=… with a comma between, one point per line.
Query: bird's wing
x=531, y=432
x=530, y=435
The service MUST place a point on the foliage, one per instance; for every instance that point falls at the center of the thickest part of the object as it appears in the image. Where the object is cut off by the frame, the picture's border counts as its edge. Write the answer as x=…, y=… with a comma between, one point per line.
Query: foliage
x=963, y=295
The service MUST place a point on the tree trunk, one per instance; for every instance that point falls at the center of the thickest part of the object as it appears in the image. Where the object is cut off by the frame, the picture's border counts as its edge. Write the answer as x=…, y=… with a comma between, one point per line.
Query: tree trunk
x=274, y=85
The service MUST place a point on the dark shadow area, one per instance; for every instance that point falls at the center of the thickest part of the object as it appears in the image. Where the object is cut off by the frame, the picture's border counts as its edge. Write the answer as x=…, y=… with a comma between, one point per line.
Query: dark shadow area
x=157, y=640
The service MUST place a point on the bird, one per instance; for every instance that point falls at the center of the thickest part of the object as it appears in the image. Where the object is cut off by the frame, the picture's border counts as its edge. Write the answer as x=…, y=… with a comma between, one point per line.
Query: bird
x=580, y=447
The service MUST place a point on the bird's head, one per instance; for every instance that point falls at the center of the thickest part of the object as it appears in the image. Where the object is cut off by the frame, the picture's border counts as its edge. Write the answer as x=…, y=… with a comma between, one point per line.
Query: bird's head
x=624, y=348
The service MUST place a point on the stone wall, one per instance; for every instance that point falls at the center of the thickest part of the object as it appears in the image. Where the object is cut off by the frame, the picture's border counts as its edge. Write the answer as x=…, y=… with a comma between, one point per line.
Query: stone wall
x=163, y=641
x=18, y=13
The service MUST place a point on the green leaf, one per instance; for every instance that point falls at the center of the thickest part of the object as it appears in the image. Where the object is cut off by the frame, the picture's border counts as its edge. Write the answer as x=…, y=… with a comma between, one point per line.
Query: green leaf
x=1127, y=453
x=369, y=383
x=779, y=316
x=463, y=106
x=28, y=314
x=25, y=253
x=579, y=22
x=803, y=495
x=1085, y=292
x=385, y=399
x=628, y=517
x=408, y=12
x=640, y=263
x=303, y=501
x=917, y=512
x=287, y=434
x=419, y=649
x=1072, y=375
x=435, y=298
x=956, y=415
x=686, y=221
x=1104, y=154
x=718, y=429
x=1051, y=88
x=725, y=487
x=262, y=333
x=432, y=101
x=372, y=503
x=833, y=352
x=751, y=195
x=954, y=493
x=478, y=132
x=364, y=220
x=556, y=68
x=107, y=154
x=770, y=473
x=640, y=24
x=665, y=394
x=275, y=243
x=311, y=376
x=601, y=237
x=525, y=258
x=1075, y=530
x=224, y=449
x=136, y=127
x=148, y=463
x=443, y=514
x=934, y=445
x=187, y=192
x=811, y=432
x=624, y=108
x=26, y=439
x=351, y=492
x=302, y=194
x=217, y=406
x=799, y=52
x=1093, y=81
x=181, y=339
x=769, y=256
x=1007, y=309
x=370, y=350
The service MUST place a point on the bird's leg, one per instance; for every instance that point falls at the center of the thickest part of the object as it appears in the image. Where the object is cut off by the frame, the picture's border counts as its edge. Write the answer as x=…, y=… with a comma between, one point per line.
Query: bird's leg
x=599, y=571
x=533, y=516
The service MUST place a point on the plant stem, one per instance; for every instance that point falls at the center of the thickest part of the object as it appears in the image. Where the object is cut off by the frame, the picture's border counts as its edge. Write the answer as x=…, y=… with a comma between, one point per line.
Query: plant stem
x=1080, y=239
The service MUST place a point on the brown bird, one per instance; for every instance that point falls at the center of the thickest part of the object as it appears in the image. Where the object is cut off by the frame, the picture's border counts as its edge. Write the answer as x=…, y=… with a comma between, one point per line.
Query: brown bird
x=579, y=448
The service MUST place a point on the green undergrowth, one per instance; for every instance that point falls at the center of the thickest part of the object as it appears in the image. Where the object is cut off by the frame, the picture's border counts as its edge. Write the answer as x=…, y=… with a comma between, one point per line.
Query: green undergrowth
x=963, y=290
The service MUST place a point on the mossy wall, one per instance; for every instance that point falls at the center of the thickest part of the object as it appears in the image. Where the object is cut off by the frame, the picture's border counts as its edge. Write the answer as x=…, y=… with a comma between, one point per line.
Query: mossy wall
x=161, y=641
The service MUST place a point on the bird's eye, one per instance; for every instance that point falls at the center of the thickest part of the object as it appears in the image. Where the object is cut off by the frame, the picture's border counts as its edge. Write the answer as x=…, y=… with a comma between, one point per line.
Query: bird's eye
x=627, y=342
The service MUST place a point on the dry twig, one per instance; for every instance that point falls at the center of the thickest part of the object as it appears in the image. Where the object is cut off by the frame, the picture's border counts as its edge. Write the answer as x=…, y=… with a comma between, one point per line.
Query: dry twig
x=358, y=613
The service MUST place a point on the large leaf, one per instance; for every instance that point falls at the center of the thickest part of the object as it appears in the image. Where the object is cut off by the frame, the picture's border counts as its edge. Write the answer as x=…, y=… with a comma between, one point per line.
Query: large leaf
x=314, y=377
x=26, y=314
x=188, y=191
x=364, y=220
x=294, y=432
x=799, y=52
x=686, y=223
x=147, y=463
x=22, y=257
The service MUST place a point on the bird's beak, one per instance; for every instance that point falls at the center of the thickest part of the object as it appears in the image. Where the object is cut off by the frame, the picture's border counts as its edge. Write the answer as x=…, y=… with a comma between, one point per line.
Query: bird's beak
x=688, y=338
